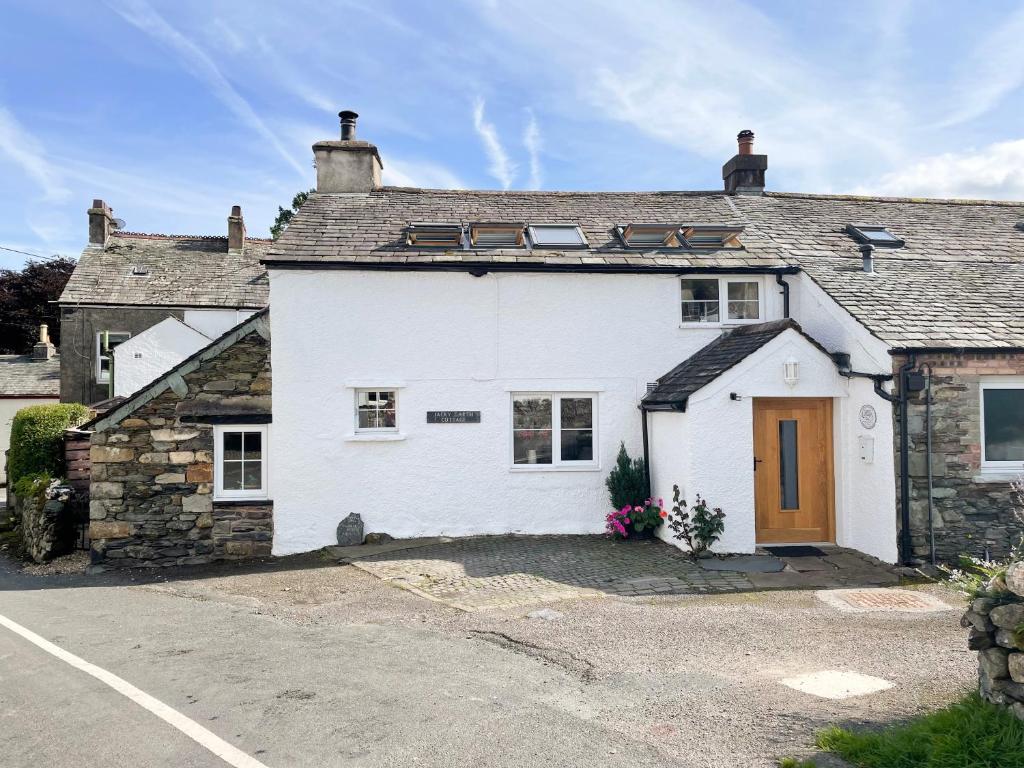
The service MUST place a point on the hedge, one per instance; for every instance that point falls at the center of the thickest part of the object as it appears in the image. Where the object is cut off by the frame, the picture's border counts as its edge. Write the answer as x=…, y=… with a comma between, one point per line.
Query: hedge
x=37, y=439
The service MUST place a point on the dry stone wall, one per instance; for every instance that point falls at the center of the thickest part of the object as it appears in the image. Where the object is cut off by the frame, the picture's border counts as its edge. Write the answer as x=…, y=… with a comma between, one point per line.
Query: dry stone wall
x=997, y=634
x=151, y=494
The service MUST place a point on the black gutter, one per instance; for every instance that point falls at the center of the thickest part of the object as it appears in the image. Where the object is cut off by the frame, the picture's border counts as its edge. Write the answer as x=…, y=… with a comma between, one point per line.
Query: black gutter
x=785, y=294
x=878, y=378
x=479, y=268
x=950, y=350
x=906, y=543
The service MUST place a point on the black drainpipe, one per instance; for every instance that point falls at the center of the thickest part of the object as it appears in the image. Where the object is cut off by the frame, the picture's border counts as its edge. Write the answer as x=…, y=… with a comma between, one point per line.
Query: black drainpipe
x=647, y=453
x=906, y=543
x=785, y=294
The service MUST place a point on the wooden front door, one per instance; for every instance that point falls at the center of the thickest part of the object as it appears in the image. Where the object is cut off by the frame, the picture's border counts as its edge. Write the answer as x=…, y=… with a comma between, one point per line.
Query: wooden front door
x=793, y=481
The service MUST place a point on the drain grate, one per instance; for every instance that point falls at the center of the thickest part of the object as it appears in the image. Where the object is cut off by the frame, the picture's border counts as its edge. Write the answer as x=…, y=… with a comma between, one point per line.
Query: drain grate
x=893, y=600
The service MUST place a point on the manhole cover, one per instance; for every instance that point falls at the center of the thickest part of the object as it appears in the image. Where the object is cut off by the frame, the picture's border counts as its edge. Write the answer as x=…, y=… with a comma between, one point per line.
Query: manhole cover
x=899, y=600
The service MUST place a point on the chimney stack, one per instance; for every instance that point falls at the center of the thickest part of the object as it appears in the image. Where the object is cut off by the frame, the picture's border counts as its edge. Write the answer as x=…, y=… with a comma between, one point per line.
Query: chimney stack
x=744, y=173
x=236, y=230
x=43, y=350
x=347, y=165
x=101, y=222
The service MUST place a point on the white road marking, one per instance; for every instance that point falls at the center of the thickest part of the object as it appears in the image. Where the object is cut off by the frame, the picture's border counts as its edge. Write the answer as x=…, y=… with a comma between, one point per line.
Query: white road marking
x=226, y=752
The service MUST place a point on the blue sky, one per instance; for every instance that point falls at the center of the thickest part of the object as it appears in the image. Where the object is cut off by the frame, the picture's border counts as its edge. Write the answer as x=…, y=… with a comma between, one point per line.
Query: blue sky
x=174, y=111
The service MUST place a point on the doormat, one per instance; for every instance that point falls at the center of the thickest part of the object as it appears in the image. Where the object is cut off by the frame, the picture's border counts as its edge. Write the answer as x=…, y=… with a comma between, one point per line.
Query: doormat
x=799, y=551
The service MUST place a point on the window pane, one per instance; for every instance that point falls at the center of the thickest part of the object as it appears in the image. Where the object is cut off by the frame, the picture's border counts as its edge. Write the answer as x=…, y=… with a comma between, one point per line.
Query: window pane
x=386, y=418
x=700, y=301
x=232, y=475
x=743, y=310
x=742, y=300
x=232, y=445
x=789, y=480
x=531, y=446
x=253, y=445
x=742, y=291
x=531, y=413
x=577, y=445
x=577, y=412
x=1004, y=424
x=252, y=479
x=552, y=235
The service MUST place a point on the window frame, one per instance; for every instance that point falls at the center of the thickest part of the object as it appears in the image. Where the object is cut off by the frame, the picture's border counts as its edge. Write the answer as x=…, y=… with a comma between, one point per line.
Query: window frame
x=514, y=228
x=996, y=382
x=536, y=242
x=98, y=373
x=862, y=234
x=356, y=429
x=723, y=301
x=557, y=464
x=440, y=234
x=219, y=492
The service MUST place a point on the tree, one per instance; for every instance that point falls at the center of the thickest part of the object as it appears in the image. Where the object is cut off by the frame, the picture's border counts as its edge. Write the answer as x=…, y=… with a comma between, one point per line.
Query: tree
x=26, y=298
x=284, y=215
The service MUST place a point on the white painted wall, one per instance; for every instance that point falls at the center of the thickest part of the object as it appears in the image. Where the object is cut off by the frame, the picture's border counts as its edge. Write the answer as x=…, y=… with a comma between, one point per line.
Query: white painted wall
x=717, y=434
x=215, y=322
x=9, y=407
x=150, y=354
x=451, y=341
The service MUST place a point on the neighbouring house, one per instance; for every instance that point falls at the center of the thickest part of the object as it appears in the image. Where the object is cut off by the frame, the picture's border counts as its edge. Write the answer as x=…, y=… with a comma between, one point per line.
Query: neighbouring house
x=148, y=355
x=32, y=379
x=468, y=362
x=125, y=283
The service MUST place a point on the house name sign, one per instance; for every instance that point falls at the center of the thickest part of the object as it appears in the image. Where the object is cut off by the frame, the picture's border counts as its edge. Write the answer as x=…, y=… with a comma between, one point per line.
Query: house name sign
x=453, y=417
x=868, y=416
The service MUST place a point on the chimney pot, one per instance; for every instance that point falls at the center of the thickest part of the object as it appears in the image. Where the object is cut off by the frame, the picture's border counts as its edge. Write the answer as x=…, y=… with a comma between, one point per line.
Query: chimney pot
x=348, y=124
x=43, y=349
x=101, y=222
x=745, y=140
x=236, y=230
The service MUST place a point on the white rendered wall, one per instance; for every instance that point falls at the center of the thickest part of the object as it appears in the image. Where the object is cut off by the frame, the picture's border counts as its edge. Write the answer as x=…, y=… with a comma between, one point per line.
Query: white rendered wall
x=457, y=342
x=9, y=407
x=150, y=354
x=717, y=432
x=215, y=322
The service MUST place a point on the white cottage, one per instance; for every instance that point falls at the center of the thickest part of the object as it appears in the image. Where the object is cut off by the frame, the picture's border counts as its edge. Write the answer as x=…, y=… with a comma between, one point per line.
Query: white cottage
x=468, y=362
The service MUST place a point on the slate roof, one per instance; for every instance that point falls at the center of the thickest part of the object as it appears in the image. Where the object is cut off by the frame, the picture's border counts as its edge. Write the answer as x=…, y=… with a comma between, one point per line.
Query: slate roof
x=708, y=363
x=20, y=375
x=184, y=271
x=954, y=283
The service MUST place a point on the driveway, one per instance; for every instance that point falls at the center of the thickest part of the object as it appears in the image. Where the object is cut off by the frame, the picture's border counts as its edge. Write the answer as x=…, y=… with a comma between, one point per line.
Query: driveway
x=301, y=662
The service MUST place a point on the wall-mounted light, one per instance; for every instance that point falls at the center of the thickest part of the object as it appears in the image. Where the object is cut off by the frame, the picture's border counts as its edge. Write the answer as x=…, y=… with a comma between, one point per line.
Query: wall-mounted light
x=791, y=371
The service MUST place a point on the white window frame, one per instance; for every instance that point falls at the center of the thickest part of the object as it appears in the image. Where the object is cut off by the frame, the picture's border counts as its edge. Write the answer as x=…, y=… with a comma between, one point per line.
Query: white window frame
x=723, y=300
x=219, y=493
x=373, y=430
x=997, y=382
x=101, y=376
x=557, y=464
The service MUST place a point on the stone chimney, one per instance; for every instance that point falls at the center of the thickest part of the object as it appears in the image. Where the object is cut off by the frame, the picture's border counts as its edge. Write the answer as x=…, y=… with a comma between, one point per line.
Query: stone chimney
x=347, y=165
x=236, y=230
x=101, y=222
x=744, y=174
x=44, y=349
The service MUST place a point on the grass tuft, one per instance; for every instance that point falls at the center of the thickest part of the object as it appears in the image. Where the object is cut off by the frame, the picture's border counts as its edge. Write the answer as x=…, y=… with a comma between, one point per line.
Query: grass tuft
x=792, y=762
x=968, y=734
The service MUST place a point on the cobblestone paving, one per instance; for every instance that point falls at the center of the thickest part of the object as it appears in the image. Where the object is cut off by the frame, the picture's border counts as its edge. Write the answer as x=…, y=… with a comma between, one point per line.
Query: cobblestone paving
x=509, y=571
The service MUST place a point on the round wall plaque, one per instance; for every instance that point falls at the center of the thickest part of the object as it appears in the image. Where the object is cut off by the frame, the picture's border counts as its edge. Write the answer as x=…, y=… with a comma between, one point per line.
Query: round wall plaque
x=868, y=416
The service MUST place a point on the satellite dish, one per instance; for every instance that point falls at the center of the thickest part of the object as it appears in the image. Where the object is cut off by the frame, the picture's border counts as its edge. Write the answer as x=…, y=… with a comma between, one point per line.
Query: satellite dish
x=118, y=223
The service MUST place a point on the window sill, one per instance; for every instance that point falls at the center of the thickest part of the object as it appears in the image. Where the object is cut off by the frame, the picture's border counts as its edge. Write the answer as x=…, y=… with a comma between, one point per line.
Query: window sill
x=372, y=437
x=727, y=324
x=236, y=502
x=997, y=476
x=515, y=468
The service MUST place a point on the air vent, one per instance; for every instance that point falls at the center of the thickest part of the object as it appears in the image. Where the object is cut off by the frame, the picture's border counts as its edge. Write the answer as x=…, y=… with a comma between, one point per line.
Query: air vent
x=874, y=234
x=712, y=236
x=496, y=235
x=139, y=270
x=434, y=235
x=650, y=235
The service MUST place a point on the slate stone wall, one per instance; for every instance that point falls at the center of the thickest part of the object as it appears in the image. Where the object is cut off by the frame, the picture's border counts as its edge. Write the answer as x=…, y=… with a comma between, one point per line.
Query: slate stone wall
x=48, y=526
x=995, y=623
x=972, y=512
x=151, y=495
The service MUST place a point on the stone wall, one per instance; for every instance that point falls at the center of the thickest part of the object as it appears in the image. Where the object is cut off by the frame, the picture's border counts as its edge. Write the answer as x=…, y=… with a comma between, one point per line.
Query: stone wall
x=49, y=527
x=972, y=512
x=997, y=634
x=151, y=497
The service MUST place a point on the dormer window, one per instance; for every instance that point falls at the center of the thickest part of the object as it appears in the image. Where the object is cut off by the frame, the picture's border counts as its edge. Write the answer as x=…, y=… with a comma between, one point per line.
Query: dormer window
x=650, y=235
x=876, y=235
x=496, y=235
x=430, y=235
x=711, y=236
x=557, y=236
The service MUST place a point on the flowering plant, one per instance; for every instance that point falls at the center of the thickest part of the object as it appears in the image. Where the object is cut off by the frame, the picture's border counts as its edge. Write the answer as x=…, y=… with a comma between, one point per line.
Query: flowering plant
x=637, y=519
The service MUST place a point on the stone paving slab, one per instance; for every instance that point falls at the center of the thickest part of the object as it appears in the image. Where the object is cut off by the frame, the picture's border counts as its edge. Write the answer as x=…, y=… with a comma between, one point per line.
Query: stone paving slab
x=487, y=572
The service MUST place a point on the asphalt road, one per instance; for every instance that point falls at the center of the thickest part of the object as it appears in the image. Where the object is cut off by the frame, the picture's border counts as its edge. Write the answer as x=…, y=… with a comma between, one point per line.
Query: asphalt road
x=301, y=666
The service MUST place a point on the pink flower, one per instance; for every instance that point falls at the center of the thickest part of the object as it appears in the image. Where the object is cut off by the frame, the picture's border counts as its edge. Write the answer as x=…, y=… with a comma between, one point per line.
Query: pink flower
x=661, y=503
x=638, y=509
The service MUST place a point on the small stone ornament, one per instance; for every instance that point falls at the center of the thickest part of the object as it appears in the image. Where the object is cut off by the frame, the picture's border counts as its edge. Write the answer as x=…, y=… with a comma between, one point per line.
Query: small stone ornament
x=350, y=531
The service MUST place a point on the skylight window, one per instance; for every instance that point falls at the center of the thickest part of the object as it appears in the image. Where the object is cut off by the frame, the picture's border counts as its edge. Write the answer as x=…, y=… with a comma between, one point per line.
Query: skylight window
x=557, y=236
x=426, y=235
x=496, y=235
x=876, y=235
x=650, y=235
x=140, y=270
x=712, y=236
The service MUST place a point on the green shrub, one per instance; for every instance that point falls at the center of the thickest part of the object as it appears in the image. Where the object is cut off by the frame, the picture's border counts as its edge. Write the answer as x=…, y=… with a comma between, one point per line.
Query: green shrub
x=32, y=486
x=627, y=483
x=37, y=442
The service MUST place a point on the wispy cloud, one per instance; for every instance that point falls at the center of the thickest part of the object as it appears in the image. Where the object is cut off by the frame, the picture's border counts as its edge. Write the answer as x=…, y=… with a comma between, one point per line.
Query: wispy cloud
x=142, y=16
x=418, y=173
x=532, y=142
x=25, y=151
x=501, y=166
